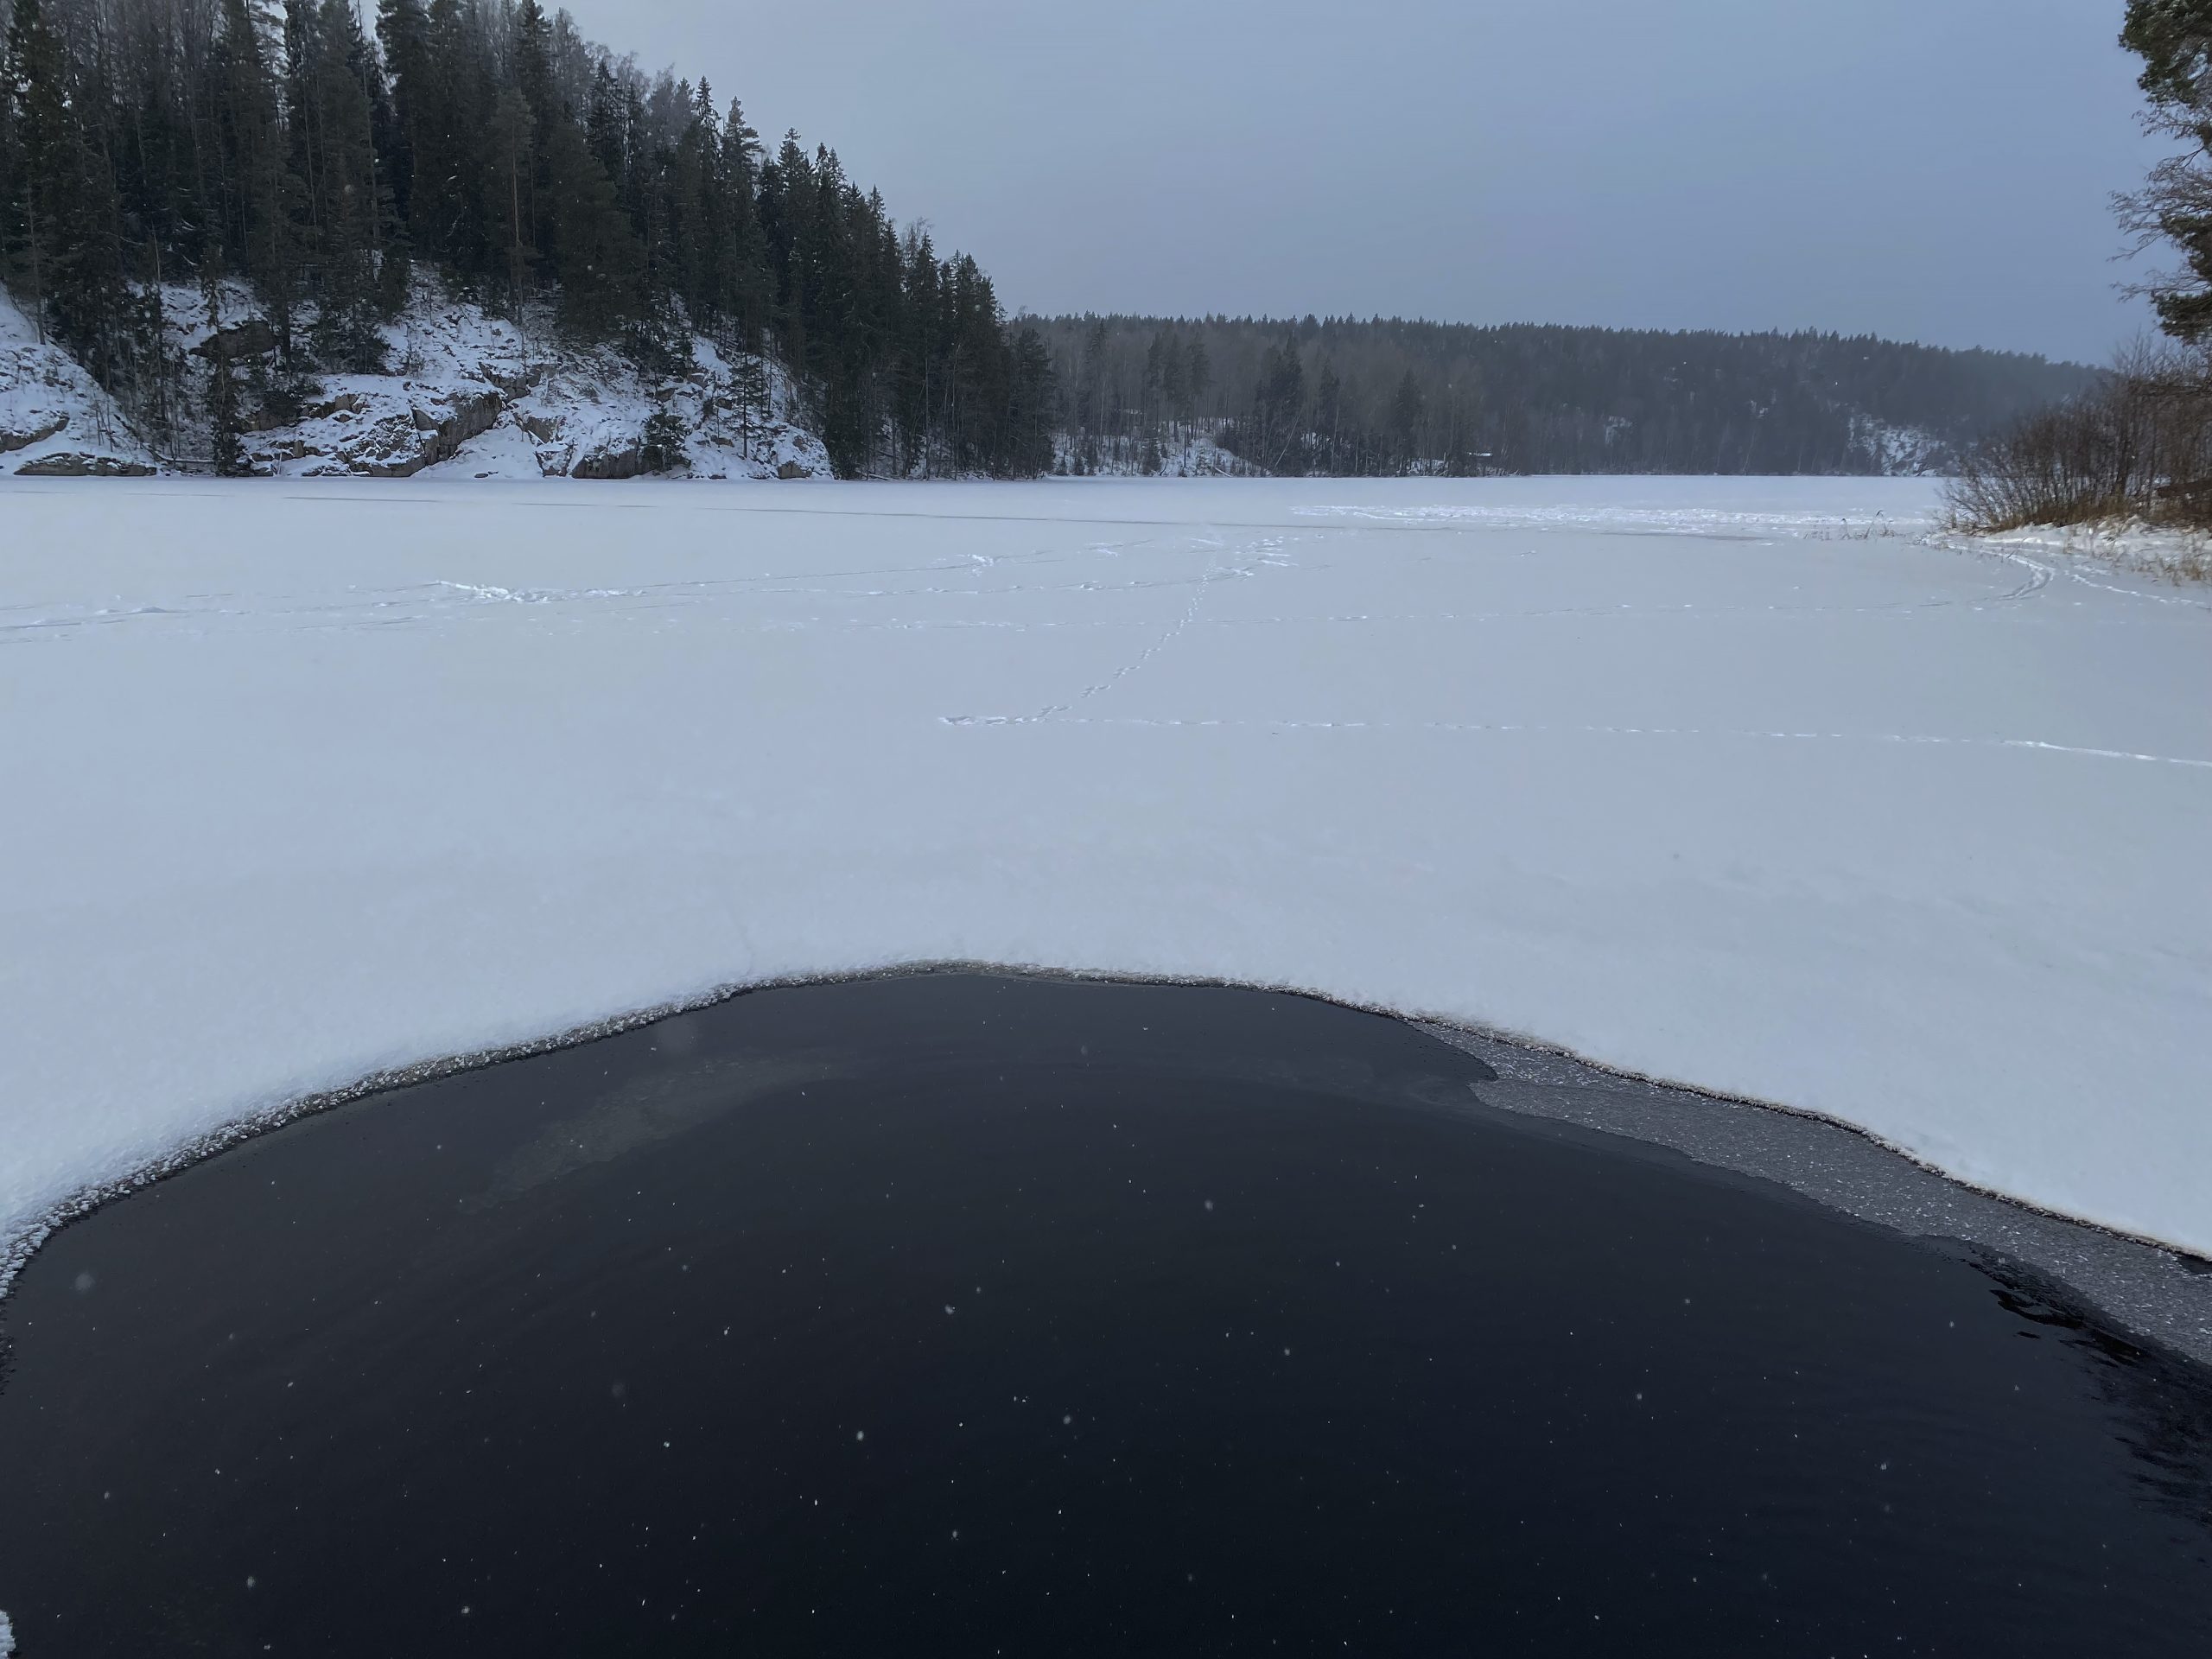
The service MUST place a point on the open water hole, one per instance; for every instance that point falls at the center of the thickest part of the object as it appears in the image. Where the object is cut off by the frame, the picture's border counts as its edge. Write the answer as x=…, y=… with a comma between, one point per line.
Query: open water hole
x=968, y=1315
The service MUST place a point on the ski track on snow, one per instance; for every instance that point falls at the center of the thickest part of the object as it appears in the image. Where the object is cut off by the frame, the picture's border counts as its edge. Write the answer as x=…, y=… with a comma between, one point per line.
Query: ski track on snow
x=2037, y=581
x=1513, y=728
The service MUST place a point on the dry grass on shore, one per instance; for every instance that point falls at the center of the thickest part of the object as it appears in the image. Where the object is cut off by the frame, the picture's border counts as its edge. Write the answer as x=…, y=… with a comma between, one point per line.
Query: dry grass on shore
x=2127, y=465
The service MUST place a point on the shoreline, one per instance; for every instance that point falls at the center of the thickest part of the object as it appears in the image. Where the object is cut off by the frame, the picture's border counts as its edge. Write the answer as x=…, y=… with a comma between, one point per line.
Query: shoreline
x=2158, y=1293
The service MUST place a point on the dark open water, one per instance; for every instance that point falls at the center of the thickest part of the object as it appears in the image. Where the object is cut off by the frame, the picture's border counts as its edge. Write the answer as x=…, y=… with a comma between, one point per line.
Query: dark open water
x=970, y=1315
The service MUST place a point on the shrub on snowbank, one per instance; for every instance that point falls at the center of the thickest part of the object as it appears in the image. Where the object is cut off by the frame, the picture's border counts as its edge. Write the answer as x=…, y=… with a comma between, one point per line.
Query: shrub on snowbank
x=2138, y=449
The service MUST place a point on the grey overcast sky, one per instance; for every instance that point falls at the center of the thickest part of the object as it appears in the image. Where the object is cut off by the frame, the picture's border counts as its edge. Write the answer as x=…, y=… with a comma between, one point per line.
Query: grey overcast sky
x=1928, y=169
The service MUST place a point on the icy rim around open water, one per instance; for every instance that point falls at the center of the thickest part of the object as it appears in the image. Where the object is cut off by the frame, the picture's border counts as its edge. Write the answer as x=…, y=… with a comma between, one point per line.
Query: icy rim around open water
x=1756, y=785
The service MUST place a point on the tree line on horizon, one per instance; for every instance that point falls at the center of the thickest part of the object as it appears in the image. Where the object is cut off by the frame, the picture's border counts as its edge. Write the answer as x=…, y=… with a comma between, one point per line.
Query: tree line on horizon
x=1387, y=397
x=323, y=157
x=147, y=144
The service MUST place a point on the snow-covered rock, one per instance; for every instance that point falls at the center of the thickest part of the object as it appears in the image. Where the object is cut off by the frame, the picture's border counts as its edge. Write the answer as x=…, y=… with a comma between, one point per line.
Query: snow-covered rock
x=1193, y=452
x=484, y=397
x=1904, y=451
x=54, y=421
x=463, y=390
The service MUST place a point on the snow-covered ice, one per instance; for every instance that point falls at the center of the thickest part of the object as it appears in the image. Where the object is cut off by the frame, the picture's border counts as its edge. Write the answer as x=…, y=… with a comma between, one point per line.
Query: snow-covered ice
x=1733, y=783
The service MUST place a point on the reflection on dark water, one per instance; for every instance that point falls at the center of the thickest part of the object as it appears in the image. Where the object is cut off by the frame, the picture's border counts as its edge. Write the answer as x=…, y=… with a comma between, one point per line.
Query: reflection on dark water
x=964, y=1314
x=2164, y=1404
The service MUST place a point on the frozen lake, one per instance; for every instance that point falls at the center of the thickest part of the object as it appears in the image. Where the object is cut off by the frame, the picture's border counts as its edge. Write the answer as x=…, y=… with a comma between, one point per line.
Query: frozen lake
x=1735, y=783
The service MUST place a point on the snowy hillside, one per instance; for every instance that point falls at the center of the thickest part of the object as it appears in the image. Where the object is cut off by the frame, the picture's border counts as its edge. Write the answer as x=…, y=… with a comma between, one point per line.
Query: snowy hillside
x=465, y=392
x=472, y=394
x=1747, y=784
x=54, y=422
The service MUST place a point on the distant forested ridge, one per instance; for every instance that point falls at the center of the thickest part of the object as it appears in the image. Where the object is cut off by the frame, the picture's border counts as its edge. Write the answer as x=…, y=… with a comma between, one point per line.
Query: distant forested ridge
x=152, y=147
x=1386, y=398
x=217, y=206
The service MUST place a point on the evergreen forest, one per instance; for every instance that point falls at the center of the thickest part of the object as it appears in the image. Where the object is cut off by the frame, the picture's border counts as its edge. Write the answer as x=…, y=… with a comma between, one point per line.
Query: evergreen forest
x=1384, y=397
x=324, y=155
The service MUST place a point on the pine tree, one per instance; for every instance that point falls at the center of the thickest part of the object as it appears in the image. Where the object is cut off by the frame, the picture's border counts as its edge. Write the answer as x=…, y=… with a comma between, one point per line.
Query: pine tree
x=2174, y=40
x=67, y=240
x=1329, y=408
x=1407, y=406
x=403, y=30
x=271, y=141
x=748, y=286
x=226, y=445
x=787, y=207
x=594, y=256
x=753, y=399
x=509, y=187
x=1091, y=383
x=1175, y=381
x=1199, y=373
x=258, y=190
x=450, y=101
x=1032, y=413
x=21, y=256
x=333, y=120
x=1280, y=405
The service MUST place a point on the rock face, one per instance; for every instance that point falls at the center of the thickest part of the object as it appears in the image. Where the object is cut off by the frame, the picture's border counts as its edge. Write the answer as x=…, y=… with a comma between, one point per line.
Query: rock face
x=67, y=463
x=472, y=417
x=438, y=434
x=492, y=398
x=36, y=432
x=252, y=338
x=610, y=464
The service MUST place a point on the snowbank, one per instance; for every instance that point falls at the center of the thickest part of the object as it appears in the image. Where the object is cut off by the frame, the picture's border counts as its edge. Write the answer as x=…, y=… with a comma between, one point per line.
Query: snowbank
x=2125, y=547
x=1714, y=781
